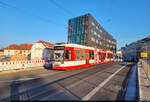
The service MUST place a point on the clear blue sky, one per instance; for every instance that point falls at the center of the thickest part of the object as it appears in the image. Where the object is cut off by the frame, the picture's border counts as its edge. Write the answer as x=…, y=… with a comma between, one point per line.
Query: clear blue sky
x=33, y=20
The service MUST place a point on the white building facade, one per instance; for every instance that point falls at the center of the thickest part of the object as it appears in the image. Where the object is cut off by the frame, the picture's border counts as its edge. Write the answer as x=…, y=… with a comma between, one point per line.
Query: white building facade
x=42, y=51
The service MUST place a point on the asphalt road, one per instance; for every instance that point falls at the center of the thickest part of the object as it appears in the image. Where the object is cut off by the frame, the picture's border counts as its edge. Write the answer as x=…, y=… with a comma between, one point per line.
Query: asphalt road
x=98, y=82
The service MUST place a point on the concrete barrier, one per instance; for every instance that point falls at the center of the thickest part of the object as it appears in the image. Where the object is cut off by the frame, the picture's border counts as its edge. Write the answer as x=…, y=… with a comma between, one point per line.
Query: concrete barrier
x=13, y=65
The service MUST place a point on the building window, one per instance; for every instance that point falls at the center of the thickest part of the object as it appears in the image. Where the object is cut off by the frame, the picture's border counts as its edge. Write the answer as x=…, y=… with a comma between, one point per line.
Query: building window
x=95, y=33
x=100, y=30
x=91, y=30
x=93, y=39
x=93, y=23
x=100, y=43
x=97, y=27
x=96, y=41
x=107, y=45
x=98, y=35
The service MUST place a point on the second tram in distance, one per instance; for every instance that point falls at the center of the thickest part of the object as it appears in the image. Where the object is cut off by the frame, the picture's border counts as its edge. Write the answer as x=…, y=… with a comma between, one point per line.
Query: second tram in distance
x=72, y=56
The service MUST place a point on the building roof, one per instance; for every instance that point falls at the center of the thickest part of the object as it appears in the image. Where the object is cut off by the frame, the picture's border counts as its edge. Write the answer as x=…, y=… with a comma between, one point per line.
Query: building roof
x=144, y=39
x=1, y=50
x=25, y=46
x=46, y=44
x=19, y=47
x=13, y=46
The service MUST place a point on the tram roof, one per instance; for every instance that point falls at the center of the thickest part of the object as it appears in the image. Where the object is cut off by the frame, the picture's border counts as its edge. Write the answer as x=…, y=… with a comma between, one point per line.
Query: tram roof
x=79, y=46
x=74, y=45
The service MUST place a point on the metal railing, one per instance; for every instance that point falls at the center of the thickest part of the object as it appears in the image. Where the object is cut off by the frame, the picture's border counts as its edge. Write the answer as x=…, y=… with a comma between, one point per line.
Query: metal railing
x=146, y=66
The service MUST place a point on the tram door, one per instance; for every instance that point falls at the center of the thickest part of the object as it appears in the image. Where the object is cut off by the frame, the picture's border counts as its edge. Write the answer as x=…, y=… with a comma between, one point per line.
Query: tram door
x=96, y=56
x=87, y=57
x=103, y=57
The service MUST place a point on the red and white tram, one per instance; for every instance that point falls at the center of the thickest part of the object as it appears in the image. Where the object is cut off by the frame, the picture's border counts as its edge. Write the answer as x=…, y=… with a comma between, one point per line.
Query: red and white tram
x=71, y=56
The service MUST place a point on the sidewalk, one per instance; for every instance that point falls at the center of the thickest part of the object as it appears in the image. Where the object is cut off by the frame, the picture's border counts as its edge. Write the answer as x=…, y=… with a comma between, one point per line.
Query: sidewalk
x=144, y=84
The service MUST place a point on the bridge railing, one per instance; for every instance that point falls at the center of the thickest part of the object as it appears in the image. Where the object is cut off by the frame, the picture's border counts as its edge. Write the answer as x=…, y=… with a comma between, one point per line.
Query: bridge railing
x=146, y=66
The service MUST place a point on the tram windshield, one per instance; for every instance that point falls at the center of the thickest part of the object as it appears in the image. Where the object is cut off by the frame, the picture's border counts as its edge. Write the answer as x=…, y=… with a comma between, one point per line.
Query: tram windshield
x=58, y=55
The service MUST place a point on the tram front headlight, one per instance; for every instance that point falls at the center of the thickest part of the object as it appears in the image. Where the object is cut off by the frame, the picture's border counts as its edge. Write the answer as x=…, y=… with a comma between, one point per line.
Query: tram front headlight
x=57, y=63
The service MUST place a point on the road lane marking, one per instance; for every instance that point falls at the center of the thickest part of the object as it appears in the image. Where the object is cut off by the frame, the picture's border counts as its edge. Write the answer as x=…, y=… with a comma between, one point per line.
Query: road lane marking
x=89, y=95
x=85, y=79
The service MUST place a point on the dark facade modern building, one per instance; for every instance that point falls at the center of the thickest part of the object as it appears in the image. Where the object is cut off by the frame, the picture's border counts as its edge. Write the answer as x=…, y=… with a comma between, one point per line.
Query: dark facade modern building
x=85, y=30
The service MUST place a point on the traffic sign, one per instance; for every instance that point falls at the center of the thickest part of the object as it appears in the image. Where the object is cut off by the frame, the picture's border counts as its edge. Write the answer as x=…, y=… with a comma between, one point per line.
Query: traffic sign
x=144, y=54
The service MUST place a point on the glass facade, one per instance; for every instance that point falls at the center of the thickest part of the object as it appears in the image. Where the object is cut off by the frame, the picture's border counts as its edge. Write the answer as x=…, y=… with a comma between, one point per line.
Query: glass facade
x=85, y=30
x=78, y=29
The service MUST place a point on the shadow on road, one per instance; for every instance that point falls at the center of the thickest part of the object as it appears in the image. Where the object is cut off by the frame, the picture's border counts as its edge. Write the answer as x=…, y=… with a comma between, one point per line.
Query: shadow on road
x=14, y=90
x=22, y=90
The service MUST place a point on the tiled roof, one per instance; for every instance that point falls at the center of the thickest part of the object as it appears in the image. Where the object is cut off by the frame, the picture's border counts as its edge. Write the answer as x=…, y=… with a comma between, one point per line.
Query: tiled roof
x=25, y=46
x=19, y=47
x=46, y=44
x=13, y=46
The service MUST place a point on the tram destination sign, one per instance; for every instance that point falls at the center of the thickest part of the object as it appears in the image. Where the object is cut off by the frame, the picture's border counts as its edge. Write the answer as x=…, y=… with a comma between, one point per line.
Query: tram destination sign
x=59, y=48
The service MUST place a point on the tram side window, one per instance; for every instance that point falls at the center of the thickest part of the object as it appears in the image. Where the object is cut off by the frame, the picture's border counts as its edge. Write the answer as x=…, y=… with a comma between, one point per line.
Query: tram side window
x=77, y=55
x=104, y=55
x=68, y=55
x=91, y=55
x=100, y=55
x=82, y=54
